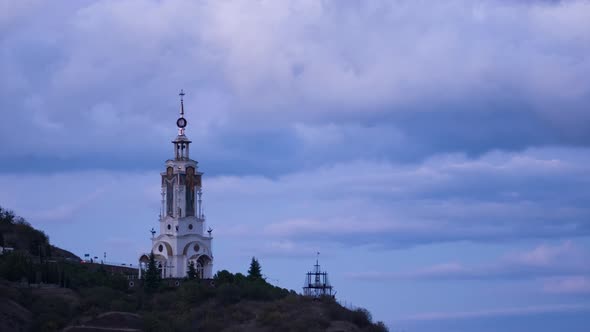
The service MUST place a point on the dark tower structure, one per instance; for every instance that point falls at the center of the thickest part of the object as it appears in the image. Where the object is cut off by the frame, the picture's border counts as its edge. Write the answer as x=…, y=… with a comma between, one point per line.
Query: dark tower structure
x=317, y=283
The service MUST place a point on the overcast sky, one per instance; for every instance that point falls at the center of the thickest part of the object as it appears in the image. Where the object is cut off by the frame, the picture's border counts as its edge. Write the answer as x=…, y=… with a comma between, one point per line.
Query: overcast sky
x=434, y=152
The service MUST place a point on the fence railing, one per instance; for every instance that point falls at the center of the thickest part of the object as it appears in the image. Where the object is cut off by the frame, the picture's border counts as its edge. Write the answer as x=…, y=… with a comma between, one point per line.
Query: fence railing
x=110, y=263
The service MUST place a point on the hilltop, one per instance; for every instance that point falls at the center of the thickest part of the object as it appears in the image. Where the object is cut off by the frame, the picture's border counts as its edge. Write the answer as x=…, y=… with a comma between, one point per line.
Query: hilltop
x=18, y=234
x=187, y=308
x=89, y=297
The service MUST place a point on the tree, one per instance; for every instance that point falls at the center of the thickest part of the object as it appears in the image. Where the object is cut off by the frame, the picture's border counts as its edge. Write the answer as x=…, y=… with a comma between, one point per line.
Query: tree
x=254, y=272
x=223, y=277
x=152, y=275
x=192, y=272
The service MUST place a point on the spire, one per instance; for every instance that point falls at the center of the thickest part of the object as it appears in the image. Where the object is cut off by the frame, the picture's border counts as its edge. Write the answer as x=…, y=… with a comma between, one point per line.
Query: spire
x=181, y=94
x=181, y=143
x=181, y=122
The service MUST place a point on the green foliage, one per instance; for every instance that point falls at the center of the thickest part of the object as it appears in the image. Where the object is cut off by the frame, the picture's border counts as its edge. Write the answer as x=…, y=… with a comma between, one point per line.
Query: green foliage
x=377, y=327
x=193, y=293
x=98, y=297
x=240, y=279
x=223, y=277
x=29, y=261
x=16, y=266
x=152, y=275
x=155, y=322
x=6, y=217
x=192, y=272
x=241, y=314
x=271, y=318
x=255, y=271
x=118, y=281
x=166, y=300
x=229, y=294
x=361, y=317
x=293, y=314
x=17, y=233
x=51, y=314
x=259, y=291
x=234, y=303
x=256, y=289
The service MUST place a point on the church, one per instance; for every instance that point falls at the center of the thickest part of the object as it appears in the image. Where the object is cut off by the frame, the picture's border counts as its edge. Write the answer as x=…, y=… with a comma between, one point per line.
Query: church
x=181, y=240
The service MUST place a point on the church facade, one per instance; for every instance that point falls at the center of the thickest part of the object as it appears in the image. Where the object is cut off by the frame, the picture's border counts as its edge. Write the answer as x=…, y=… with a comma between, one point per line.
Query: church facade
x=181, y=240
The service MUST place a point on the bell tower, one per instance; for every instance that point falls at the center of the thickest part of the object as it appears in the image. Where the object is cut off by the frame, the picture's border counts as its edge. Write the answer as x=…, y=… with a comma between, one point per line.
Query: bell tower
x=181, y=182
x=181, y=240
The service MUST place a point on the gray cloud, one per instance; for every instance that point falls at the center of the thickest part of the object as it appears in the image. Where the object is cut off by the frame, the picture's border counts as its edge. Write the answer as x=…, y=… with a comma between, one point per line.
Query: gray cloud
x=390, y=80
x=498, y=197
x=361, y=125
x=555, y=264
x=568, y=285
x=514, y=311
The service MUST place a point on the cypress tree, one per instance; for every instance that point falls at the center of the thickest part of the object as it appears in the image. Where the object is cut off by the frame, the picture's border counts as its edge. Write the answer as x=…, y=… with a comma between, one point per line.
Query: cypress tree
x=254, y=272
x=152, y=275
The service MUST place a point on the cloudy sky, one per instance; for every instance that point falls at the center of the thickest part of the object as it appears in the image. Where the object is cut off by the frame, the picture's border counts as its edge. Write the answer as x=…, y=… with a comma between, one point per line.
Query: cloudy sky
x=435, y=152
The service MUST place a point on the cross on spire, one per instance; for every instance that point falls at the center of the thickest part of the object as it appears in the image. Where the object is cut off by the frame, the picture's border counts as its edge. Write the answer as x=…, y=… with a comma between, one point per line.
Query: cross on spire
x=181, y=94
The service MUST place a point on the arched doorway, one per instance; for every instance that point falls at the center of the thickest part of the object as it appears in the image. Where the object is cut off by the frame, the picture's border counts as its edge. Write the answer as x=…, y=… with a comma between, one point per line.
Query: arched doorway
x=201, y=264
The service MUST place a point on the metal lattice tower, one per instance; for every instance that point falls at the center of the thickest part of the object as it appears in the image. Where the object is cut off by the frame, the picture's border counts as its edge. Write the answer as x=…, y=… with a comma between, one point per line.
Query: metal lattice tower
x=317, y=283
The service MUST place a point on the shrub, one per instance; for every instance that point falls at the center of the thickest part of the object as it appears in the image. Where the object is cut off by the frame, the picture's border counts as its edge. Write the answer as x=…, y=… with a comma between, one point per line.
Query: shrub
x=360, y=317
x=99, y=297
x=51, y=313
x=122, y=305
x=223, y=277
x=228, y=294
x=154, y=323
x=271, y=318
x=377, y=327
x=308, y=323
x=240, y=314
x=166, y=300
x=191, y=293
x=337, y=312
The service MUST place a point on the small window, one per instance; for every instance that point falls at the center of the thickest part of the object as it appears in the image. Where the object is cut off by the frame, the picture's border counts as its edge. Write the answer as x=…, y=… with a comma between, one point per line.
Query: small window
x=169, y=227
x=196, y=248
x=190, y=226
x=160, y=248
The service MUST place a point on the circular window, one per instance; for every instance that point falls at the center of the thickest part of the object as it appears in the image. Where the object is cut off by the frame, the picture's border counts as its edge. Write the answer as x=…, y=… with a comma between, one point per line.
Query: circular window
x=196, y=247
x=169, y=227
x=160, y=248
x=190, y=226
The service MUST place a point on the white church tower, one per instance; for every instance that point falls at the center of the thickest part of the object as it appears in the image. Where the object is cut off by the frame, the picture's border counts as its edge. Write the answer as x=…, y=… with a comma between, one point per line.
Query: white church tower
x=181, y=240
